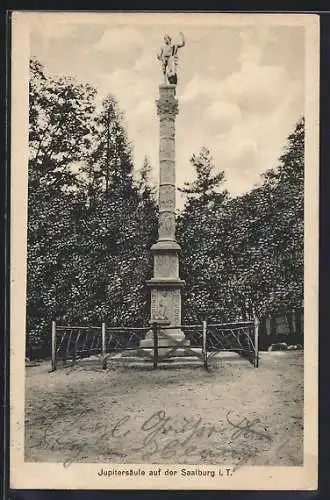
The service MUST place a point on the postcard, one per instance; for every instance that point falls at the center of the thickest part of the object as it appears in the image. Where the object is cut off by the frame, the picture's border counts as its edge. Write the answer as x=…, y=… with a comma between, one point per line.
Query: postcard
x=164, y=251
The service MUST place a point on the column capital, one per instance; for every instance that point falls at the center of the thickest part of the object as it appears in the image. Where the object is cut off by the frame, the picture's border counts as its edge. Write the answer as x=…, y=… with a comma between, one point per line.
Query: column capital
x=167, y=108
x=167, y=104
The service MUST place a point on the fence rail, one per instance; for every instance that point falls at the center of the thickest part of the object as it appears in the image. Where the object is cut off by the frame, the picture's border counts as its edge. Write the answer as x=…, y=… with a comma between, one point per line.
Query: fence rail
x=204, y=341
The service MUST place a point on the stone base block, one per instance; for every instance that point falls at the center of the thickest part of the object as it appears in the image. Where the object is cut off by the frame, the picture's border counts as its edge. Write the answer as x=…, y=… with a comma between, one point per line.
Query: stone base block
x=167, y=338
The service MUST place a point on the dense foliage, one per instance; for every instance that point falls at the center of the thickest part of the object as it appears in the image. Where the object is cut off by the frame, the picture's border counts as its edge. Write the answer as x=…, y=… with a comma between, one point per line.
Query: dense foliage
x=91, y=223
x=245, y=253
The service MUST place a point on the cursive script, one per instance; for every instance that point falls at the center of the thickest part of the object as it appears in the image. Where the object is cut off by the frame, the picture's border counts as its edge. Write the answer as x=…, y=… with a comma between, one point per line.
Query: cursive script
x=163, y=437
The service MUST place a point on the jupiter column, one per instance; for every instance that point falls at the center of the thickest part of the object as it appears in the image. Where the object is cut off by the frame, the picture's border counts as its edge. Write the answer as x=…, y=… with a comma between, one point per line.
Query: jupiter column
x=165, y=285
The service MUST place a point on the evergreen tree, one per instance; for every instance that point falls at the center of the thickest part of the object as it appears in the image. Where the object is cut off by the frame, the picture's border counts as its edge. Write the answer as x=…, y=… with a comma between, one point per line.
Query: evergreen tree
x=204, y=189
x=266, y=243
x=197, y=232
x=111, y=154
x=90, y=228
x=246, y=253
x=119, y=226
x=145, y=185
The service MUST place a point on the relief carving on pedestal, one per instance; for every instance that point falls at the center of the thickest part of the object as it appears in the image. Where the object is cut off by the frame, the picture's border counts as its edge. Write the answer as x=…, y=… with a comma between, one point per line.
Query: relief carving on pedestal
x=163, y=305
x=166, y=305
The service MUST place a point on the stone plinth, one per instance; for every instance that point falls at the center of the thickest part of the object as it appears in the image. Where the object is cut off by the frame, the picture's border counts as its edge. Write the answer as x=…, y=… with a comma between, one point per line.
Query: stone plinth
x=166, y=285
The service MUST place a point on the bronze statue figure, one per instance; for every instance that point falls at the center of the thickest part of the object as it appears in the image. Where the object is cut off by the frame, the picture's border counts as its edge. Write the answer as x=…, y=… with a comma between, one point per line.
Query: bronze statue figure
x=168, y=56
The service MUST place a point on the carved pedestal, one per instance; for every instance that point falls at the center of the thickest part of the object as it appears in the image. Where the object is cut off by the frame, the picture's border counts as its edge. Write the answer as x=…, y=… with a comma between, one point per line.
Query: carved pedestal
x=165, y=286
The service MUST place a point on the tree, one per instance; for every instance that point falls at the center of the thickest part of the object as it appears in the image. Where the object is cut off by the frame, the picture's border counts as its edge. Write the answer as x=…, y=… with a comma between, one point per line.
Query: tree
x=90, y=225
x=118, y=229
x=284, y=188
x=269, y=250
x=52, y=245
x=146, y=188
x=196, y=230
x=246, y=253
x=110, y=154
x=203, y=189
x=60, y=111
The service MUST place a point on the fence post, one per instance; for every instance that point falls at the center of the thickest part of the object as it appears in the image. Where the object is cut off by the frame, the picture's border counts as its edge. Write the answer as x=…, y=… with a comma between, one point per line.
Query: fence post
x=103, y=339
x=204, y=349
x=155, y=336
x=256, y=342
x=53, y=345
x=74, y=355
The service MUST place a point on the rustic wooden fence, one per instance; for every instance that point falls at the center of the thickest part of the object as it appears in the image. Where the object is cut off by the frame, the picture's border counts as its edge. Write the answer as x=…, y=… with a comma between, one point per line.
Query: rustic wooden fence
x=72, y=343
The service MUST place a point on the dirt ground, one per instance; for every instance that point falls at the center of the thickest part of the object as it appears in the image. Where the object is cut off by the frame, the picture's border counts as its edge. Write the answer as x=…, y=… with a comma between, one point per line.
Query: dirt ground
x=234, y=414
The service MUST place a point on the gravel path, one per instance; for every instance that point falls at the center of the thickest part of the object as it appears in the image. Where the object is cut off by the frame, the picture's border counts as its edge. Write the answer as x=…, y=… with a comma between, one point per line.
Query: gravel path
x=234, y=414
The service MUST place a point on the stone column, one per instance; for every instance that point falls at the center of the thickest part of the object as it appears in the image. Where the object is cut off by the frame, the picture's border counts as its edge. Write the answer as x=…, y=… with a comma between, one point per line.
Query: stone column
x=166, y=285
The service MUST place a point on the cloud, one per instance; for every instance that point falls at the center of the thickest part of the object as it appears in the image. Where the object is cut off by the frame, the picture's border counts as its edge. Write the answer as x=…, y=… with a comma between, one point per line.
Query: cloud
x=255, y=85
x=239, y=92
x=222, y=116
x=244, y=160
x=126, y=87
x=192, y=89
x=200, y=86
x=256, y=89
x=242, y=112
x=237, y=116
x=121, y=40
x=145, y=62
x=254, y=41
x=145, y=107
x=47, y=29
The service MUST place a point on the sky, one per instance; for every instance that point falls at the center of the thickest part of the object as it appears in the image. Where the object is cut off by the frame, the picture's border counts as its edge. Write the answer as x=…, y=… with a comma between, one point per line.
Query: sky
x=240, y=89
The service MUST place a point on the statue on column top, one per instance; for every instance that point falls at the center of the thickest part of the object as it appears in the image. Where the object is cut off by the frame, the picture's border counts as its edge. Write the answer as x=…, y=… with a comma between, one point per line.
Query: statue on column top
x=168, y=56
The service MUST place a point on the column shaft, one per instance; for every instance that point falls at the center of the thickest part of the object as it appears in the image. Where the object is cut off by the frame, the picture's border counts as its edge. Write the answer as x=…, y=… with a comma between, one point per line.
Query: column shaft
x=165, y=285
